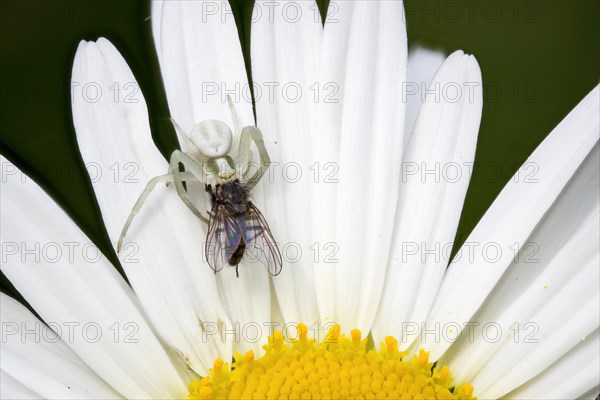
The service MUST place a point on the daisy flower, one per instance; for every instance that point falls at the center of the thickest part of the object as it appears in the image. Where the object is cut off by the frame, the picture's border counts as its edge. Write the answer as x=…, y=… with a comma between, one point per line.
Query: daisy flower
x=364, y=227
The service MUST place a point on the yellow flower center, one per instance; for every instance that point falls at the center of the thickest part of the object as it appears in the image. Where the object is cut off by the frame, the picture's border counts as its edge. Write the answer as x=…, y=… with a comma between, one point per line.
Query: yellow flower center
x=340, y=367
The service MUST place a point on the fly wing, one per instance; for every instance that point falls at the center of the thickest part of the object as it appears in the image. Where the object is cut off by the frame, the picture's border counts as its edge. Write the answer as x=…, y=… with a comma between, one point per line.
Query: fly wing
x=222, y=240
x=260, y=242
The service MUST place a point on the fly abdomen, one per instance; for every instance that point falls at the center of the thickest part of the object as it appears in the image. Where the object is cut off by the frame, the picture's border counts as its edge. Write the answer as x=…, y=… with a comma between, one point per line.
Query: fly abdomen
x=237, y=256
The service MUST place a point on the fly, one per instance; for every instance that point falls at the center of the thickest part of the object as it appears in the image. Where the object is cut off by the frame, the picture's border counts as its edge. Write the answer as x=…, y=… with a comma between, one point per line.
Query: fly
x=237, y=228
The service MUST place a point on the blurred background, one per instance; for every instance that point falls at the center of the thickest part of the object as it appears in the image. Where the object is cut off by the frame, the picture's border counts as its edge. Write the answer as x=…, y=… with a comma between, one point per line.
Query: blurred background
x=538, y=58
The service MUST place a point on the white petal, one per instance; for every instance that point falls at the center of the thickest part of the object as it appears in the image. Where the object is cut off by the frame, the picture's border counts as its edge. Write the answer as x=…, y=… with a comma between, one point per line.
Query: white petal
x=162, y=255
x=433, y=184
x=548, y=296
x=422, y=66
x=248, y=302
x=571, y=376
x=201, y=61
x=591, y=394
x=364, y=53
x=285, y=49
x=11, y=389
x=512, y=217
x=325, y=153
x=69, y=283
x=37, y=358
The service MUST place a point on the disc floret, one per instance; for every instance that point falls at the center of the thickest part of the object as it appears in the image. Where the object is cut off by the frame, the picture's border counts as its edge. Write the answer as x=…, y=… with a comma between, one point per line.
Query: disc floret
x=337, y=368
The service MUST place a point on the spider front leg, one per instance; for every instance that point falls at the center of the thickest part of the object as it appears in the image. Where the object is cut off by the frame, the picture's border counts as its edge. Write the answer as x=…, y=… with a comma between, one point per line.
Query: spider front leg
x=252, y=134
x=192, y=167
x=168, y=178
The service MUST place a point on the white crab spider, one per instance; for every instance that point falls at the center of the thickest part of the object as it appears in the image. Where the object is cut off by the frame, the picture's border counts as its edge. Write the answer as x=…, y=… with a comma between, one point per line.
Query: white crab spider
x=210, y=140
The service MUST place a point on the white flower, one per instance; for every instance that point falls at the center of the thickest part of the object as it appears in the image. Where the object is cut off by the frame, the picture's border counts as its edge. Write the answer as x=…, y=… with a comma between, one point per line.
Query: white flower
x=150, y=340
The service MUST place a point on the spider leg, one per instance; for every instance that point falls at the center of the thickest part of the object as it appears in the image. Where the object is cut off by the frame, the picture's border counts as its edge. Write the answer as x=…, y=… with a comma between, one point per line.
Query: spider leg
x=191, y=167
x=252, y=134
x=184, y=138
x=234, y=116
x=140, y=201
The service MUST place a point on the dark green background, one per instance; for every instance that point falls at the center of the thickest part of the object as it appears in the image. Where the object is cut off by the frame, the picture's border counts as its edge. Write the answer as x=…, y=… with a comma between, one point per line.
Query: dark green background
x=539, y=59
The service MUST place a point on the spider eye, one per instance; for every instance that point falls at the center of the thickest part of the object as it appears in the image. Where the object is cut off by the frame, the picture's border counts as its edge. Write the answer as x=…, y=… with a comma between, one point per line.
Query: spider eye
x=212, y=138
